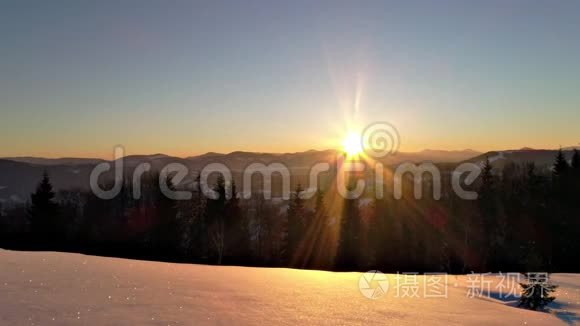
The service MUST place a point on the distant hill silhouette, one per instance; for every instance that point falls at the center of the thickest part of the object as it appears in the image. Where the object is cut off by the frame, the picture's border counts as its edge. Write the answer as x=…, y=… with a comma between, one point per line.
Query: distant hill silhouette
x=542, y=158
x=19, y=175
x=55, y=161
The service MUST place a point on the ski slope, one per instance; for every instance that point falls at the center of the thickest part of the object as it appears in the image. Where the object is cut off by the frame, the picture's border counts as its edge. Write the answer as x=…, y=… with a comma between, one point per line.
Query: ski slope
x=47, y=288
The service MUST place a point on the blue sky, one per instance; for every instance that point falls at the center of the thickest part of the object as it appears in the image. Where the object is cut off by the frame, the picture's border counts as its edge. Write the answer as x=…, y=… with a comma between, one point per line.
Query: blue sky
x=186, y=77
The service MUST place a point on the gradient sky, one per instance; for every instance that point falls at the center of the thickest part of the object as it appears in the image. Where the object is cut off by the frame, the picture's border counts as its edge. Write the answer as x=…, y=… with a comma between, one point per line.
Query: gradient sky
x=187, y=77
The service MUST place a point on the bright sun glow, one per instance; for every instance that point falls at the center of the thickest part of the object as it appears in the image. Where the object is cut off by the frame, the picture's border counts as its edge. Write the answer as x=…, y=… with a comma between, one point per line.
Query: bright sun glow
x=352, y=144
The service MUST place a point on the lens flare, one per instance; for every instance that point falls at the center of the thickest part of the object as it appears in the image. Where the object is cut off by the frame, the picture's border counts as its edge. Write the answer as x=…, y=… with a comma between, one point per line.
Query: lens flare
x=352, y=144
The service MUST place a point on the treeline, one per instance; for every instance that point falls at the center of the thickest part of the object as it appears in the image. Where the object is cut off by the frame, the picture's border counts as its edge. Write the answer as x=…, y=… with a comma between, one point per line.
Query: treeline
x=525, y=219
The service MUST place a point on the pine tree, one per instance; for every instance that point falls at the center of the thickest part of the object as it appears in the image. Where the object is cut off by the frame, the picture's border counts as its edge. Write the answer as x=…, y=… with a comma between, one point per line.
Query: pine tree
x=576, y=169
x=198, y=230
x=575, y=180
x=43, y=212
x=166, y=234
x=576, y=160
x=562, y=203
x=349, y=244
x=575, y=229
x=487, y=196
x=215, y=217
x=537, y=292
x=561, y=167
x=269, y=247
x=237, y=234
x=377, y=246
x=316, y=236
x=487, y=181
x=296, y=223
x=562, y=180
x=488, y=206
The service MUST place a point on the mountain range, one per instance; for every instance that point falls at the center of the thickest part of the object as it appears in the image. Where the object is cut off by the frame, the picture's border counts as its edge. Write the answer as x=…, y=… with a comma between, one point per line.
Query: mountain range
x=20, y=175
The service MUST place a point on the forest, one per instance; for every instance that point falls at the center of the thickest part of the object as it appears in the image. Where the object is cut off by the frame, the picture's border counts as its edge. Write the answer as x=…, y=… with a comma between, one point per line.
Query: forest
x=524, y=219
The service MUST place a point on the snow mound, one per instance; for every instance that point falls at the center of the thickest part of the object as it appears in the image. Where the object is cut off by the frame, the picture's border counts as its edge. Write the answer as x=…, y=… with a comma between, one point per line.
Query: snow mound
x=47, y=288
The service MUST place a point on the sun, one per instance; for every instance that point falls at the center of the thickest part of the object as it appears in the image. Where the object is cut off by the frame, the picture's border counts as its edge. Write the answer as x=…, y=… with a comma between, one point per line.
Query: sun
x=352, y=144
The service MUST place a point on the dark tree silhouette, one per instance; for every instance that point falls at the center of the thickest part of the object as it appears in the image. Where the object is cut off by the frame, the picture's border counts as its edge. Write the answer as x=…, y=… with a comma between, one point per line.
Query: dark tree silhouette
x=296, y=224
x=537, y=292
x=43, y=213
x=237, y=233
x=216, y=221
x=318, y=234
x=489, y=214
x=576, y=160
x=561, y=166
x=198, y=235
x=167, y=228
x=525, y=219
x=349, y=243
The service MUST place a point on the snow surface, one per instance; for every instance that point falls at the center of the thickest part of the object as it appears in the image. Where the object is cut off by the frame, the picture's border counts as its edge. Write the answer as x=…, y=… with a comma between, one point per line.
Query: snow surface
x=47, y=288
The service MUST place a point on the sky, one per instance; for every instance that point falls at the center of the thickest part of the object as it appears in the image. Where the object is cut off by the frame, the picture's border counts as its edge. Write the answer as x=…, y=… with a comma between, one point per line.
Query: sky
x=188, y=77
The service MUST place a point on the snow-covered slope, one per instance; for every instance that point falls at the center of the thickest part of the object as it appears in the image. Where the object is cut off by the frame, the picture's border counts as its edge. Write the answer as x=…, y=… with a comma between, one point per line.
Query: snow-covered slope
x=46, y=288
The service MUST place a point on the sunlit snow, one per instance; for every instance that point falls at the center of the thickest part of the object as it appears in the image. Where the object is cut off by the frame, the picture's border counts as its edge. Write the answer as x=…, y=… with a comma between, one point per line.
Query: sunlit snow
x=46, y=288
